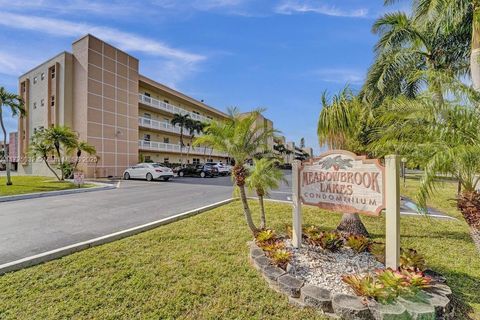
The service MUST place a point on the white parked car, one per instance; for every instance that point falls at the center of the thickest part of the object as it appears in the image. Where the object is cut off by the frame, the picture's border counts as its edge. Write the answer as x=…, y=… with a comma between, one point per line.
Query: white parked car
x=223, y=169
x=148, y=171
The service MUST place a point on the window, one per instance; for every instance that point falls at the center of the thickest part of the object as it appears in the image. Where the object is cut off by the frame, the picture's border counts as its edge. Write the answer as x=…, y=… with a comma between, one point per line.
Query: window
x=196, y=112
x=166, y=160
x=35, y=79
x=42, y=103
x=42, y=76
x=209, y=160
x=52, y=101
x=147, y=94
x=166, y=140
x=148, y=159
x=147, y=115
x=166, y=101
x=146, y=137
x=53, y=73
x=196, y=161
x=209, y=117
x=34, y=106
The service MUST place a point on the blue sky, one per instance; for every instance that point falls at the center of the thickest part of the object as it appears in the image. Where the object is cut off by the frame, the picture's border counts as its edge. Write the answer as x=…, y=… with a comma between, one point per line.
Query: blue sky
x=279, y=55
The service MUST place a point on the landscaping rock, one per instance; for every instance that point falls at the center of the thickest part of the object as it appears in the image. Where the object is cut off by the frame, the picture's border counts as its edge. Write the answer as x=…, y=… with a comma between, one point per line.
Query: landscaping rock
x=261, y=262
x=443, y=306
x=436, y=277
x=290, y=285
x=388, y=311
x=273, y=273
x=256, y=252
x=317, y=297
x=419, y=309
x=440, y=289
x=350, y=307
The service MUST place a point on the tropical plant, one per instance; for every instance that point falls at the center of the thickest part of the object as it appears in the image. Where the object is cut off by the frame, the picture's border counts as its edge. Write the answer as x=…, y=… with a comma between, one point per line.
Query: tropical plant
x=344, y=123
x=265, y=236
x=39, y=148
x=357, y=243
x=194, y=127
x=331, y=241
x=240, y=138
x=63, y=139
x=281, y=257
x=182, y=121
x=78, y=148
x=411, y=259
x=377, y=249
x=264, y=177
x=15, y=104
x=369, y=287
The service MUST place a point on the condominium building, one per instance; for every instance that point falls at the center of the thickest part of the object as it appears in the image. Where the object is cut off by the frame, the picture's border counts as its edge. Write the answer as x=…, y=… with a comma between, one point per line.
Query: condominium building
x=98, y=92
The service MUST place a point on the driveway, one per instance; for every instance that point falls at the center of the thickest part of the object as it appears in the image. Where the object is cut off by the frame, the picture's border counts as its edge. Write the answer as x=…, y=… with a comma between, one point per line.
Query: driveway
x=34, y=226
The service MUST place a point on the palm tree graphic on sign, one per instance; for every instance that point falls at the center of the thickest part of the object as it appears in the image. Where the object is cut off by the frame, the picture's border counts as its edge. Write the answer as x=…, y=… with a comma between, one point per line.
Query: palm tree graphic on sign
x=336, y=162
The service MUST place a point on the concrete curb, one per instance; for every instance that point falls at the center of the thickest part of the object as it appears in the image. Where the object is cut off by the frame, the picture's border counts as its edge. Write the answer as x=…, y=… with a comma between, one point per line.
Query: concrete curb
x=99, y=187
x=61, y=252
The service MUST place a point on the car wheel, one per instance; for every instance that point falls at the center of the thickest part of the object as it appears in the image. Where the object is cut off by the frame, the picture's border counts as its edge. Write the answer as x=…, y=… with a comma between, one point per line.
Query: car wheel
x=126, y=176
x=181, y=174
x=149, y=177
x=166, y=179
x=202, y=174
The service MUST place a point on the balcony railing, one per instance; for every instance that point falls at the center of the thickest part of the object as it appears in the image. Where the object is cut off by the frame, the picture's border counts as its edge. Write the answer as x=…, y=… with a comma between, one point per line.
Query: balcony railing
x=149, y=101
x=170, y=147
x=159, y=125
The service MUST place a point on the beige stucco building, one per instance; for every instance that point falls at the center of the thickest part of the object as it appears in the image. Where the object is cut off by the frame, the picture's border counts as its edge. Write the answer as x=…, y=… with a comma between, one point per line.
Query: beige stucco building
x=98, y=92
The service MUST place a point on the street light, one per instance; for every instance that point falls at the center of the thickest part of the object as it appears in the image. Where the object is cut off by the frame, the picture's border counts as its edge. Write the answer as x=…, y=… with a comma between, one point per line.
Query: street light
x=404, y=171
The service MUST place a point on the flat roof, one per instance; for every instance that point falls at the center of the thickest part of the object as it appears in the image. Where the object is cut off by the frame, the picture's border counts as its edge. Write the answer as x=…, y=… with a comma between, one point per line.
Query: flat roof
x=45, y=62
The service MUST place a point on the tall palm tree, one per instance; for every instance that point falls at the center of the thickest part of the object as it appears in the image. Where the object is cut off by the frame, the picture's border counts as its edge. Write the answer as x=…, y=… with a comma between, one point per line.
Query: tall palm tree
x=412, y=56
x=344, y=124
x=40, y=148
x=63, y=139
x=264, y=177
x=15, y=104
x=182, y=121
x=79, y=147
x=459, y=16
x=194, y=127
x=240, y=138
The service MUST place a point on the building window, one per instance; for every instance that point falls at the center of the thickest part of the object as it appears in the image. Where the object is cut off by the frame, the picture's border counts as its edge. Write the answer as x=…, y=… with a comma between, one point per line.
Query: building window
x=166, y=101
x=196, y=161
x=148, y=159
x=209, y=160
x=52, y=72
x=166, y=160
x=35, y=79
x=146, y=137
x=42, y=103
x=166, y=140
x=196, y=112
x=147, y=115
x=147, y=94
x=42, y=76
x=52, y=101
x=209, y=117
x=34, y=105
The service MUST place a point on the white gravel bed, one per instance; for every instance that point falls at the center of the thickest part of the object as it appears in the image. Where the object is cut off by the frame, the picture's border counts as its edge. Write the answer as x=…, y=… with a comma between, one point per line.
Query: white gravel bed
x=324, y=269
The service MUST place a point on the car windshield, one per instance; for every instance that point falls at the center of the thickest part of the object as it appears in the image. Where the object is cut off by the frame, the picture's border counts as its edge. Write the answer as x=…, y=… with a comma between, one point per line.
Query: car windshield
x=155, y=165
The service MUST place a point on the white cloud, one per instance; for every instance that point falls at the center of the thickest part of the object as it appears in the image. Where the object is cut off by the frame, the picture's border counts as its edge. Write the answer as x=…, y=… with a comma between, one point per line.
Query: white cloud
x=340, y=75
x=124, y=40
x=306, y=6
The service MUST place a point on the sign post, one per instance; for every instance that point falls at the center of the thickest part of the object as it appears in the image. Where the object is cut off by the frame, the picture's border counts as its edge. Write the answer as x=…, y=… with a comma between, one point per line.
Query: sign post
x=392, y=212
x=297, y=205
x=78, y=178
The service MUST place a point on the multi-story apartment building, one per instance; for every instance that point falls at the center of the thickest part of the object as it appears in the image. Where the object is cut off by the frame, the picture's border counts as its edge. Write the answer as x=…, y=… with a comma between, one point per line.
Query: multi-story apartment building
x=98, y=92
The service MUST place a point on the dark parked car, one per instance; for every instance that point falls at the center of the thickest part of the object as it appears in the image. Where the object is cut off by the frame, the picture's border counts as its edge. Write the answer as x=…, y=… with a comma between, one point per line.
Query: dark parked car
x=199, y=170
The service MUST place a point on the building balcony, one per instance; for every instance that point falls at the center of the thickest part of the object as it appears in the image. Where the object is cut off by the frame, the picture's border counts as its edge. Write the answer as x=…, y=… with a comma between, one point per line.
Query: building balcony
x=175, y=148
x=158, y=125
x=155, y=103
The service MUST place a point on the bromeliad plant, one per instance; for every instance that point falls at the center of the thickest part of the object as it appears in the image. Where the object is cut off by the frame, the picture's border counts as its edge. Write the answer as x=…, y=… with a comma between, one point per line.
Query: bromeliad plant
x=331, y=241
x=357, y=243
x=410, y=258
x=280, y=257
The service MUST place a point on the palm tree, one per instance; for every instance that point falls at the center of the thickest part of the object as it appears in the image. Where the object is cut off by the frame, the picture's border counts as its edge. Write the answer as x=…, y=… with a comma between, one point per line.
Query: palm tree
x=15, y=103
x=78, y=148
x=62, y=139
x=344, y=124
x=457, y=16
x=411, y=55
x=265, y=176
x=39, y=148
x=182, y=121
x=240, y=138
x=194, y=127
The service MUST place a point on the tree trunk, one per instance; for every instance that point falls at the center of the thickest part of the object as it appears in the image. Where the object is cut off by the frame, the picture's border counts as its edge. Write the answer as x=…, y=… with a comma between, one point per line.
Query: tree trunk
x=5, y=150
x=469, y=205
x=475, y=51
x=246, y=210
x=351, y=223
x=51, y=169
x=263, y=222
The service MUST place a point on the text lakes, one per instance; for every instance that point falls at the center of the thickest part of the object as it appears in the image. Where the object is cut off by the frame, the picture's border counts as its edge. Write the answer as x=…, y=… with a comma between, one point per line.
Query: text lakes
x=368, y=180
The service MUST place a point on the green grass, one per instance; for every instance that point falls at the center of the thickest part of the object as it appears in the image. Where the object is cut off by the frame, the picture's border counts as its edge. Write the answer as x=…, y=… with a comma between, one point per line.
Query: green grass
x=198, y=269
x=31, y=184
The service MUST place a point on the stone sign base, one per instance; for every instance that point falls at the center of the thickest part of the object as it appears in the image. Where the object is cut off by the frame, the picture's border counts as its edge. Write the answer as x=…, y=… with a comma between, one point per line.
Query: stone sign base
x=433, y=303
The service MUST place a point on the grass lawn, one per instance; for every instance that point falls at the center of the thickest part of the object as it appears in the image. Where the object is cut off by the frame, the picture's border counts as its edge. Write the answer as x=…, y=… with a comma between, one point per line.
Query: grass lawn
x=198, y=269
x=31, y=184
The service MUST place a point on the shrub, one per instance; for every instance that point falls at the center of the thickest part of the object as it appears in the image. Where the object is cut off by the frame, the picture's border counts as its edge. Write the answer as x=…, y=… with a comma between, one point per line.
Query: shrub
x=411, y=259
x=357, y=243
x=377, y=249
x=393, y=281
x=281, y=257
x=368, y=287
x=416, y=279
x=311, y=231
x=327, y=240
x=270, y=247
